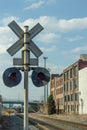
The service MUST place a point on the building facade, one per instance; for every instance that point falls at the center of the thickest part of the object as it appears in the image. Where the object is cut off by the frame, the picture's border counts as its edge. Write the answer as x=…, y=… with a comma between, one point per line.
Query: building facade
x=70, y=85
x=69, y=89
x=83, y=91
x=56, y=90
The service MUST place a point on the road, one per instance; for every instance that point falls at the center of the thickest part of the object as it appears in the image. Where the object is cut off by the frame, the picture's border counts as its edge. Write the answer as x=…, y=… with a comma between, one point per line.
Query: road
x=15, y=123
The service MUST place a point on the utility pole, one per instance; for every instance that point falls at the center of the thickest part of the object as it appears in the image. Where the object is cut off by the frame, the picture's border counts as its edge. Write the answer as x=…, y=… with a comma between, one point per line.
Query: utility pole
x=26, y=58
x=47, y=85
x=45, y=91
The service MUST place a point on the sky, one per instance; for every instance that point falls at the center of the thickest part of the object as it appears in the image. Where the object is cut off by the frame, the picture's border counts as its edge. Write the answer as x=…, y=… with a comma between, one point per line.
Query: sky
x=62, y=41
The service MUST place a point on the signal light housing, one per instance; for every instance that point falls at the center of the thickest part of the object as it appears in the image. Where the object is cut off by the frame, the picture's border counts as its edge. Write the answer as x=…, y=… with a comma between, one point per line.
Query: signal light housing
x=40, y=76
x=11, y=77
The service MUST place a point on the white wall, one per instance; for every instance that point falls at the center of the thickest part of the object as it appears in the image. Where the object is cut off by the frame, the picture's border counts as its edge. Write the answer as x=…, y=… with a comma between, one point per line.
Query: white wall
x=83, y=91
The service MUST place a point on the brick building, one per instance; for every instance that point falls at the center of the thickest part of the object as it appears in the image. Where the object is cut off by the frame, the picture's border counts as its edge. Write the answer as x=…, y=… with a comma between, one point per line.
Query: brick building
x=56, y=90
x=70, y=88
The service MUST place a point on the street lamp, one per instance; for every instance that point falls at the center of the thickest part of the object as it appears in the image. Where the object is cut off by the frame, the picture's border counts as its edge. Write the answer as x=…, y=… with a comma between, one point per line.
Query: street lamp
x=47, y=84
x=45, y=92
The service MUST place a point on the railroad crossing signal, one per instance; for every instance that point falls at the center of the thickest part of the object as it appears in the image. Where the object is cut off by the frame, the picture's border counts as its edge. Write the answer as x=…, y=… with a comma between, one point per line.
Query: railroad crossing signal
x=20, y=43
x=25, y=39
x=38, y=72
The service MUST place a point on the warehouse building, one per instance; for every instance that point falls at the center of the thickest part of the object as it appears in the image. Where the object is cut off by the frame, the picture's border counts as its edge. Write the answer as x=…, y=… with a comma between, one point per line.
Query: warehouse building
x=69, y=89
x=57, y=91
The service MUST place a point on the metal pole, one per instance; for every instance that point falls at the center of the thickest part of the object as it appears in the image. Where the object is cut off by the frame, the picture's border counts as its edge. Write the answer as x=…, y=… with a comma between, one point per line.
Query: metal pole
x=26, y=57
x=45, y=92
x=47, y=85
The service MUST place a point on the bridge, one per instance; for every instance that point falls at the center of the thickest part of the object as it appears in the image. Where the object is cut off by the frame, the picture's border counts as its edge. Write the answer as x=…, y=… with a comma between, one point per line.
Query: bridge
x=21, y=102
x=33, y=105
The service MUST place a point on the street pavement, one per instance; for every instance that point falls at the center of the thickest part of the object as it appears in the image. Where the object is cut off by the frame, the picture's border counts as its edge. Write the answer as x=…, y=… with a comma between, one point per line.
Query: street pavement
x=15, y=123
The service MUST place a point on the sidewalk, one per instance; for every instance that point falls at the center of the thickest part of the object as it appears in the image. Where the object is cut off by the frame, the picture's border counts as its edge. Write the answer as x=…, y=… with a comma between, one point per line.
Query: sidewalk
x=11, y=123
x=14, y=123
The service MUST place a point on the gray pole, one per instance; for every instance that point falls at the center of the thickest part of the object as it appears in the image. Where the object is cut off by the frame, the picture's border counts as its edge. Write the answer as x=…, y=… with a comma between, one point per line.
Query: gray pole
x=47, y=85
x=26, y=57
x=45, y=92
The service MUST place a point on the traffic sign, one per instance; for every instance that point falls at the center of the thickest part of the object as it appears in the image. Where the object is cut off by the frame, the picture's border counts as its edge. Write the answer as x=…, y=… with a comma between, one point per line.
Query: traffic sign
x=16, y=29
x=34, y=49
x=20, y=43
x=19, y=61
x=19, y=32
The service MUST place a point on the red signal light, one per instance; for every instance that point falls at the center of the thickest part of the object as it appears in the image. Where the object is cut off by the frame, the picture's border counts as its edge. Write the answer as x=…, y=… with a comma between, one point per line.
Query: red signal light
x=12, y=76
x=40, y=76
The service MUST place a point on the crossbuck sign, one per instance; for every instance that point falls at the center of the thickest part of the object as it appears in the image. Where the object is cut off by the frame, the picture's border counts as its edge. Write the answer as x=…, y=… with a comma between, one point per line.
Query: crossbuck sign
x=25, y=40
x=19, y=44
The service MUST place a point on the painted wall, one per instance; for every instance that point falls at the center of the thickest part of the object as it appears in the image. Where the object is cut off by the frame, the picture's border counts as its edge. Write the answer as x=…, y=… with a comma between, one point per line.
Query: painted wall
x=83, y=91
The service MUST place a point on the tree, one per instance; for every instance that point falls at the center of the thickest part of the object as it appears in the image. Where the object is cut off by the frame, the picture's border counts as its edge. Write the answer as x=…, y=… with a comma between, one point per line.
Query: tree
x=51, y=105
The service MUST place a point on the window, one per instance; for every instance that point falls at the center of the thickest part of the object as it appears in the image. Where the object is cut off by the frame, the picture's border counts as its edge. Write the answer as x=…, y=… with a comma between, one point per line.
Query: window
x=68, y=97
x=76, y=97
x=75, y=84
x=70, y=85
x=71, y=73
x=68, y=108
x=75, y=70
x=67, y=86
x=65, y=108
x=64, y=88
x=77, y=108
x=71, y=97
x=64, y=98
x=65, y=76
x=72, y=107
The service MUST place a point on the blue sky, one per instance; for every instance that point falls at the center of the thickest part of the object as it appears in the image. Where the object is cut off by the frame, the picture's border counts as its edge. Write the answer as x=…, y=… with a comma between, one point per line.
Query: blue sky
x=63, y=39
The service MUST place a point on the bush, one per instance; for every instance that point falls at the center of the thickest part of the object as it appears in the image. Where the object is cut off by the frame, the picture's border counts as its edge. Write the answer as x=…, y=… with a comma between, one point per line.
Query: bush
x=51, y=105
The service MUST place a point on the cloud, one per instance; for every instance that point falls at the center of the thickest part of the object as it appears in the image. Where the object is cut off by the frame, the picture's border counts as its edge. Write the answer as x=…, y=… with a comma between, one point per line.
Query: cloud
x=51, y=49
x=75, y=38
x=63, y=25
x=7, y=20
x=49, y=37
x=6, y=38
x=79, y=49
x=52, y=24
x=55, y=69
x=53, y=29
x=72, y=24
x=35, y=5
x=2, y=49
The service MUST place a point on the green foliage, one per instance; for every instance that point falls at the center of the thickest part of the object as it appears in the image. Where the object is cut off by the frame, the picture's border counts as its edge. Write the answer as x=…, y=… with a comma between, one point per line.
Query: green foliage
x=51, y=105
x=33, y=108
